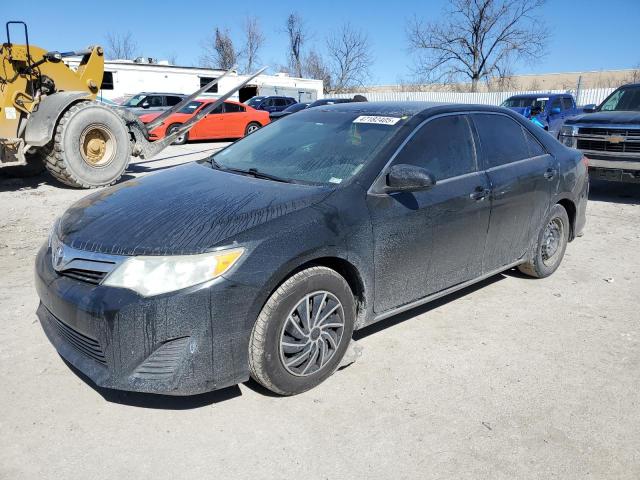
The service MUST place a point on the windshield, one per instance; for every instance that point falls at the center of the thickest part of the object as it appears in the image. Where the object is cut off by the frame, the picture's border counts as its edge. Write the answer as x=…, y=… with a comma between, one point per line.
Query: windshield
x=623, y=99
x=135, y=100
x=524, y=102
x=316, y=147
x=255, y=101
x=190, y=107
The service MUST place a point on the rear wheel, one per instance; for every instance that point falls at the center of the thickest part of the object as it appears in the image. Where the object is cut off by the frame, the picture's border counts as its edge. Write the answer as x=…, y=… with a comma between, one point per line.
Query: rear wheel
x=91, y=146
x=302, y=332
x=551, y=245
x=252, y=127
x=181, y=139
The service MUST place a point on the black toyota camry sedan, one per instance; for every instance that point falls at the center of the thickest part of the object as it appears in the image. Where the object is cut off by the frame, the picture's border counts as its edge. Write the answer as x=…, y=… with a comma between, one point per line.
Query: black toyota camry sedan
x=262, y=260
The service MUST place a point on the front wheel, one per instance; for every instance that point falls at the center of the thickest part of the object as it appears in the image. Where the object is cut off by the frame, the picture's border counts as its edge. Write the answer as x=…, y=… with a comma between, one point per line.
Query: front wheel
x=551, y=245
x=302, y=331
x=91, y=146
x=252, y=127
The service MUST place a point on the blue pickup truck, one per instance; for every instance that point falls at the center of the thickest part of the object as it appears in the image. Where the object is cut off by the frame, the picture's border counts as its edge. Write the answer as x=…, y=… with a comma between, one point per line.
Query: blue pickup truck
x=548, y=110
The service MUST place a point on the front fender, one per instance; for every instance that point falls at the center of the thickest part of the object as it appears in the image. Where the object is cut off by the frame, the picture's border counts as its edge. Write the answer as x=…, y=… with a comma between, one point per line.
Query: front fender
x=42, y=122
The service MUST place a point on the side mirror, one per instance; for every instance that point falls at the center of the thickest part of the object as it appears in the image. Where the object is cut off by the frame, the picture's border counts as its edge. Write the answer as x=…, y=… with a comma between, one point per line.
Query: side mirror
x=556, y=110
x=590, y=108
x=408, y=178
x=145, y=105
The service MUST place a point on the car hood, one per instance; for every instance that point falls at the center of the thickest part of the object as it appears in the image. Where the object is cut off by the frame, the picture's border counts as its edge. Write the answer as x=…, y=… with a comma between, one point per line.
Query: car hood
x=606, y=118
x=184, y=210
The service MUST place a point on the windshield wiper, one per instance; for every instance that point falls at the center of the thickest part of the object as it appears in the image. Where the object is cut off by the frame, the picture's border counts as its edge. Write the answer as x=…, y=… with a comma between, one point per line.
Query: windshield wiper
x=252, y=172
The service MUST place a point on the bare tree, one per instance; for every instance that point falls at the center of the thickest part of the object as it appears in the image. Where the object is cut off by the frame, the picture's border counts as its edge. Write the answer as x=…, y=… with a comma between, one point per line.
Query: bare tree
x=295, y=29
x=476, y=39
x=350, y=58
x=219, y=51
x=315, y=67
x=254, y=40
x=121, y=46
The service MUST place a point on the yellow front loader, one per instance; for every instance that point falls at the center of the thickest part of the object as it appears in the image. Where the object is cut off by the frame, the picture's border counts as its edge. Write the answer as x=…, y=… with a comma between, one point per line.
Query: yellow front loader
x=49, y=117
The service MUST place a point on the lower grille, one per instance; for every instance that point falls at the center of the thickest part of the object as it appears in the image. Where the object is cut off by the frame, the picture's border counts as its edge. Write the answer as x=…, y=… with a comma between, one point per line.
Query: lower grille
x=86, y=345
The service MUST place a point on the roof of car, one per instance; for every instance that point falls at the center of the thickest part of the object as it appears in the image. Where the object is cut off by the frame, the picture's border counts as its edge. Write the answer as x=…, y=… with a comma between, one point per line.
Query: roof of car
x=379, y=108
x=410, y=109
x=161, y=93
x=539, y=95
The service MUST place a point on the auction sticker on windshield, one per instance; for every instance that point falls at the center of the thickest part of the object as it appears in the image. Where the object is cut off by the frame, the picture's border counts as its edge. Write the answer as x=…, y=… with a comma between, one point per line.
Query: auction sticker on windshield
x=377, y=120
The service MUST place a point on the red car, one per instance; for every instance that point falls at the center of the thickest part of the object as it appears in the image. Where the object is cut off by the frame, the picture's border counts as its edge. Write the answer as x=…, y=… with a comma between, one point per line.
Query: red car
x=229, y=120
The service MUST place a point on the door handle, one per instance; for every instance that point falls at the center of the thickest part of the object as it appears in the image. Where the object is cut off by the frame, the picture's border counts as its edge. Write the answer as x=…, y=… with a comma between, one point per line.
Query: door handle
x=480, y=193
x=550, y=173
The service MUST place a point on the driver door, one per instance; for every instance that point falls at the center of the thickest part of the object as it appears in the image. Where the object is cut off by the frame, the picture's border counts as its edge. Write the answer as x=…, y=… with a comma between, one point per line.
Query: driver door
x=211, y=126
x=429, y=240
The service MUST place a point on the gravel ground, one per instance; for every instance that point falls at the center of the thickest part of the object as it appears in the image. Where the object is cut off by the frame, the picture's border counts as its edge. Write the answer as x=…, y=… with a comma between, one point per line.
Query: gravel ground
x=514, y=378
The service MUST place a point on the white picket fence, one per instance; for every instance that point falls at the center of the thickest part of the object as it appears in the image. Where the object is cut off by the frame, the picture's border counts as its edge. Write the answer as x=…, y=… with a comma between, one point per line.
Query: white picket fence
x=585, y=97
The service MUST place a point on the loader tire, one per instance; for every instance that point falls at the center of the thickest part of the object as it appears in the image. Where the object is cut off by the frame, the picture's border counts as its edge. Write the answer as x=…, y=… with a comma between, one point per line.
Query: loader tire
x=91, y=146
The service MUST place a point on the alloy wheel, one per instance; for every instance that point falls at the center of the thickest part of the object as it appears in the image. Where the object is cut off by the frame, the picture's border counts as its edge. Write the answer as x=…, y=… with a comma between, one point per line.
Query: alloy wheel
x=311, y=333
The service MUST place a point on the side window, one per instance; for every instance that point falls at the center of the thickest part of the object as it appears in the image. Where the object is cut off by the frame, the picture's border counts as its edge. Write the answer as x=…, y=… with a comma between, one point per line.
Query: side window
x=267, y=103
x=154, y=101
x=443, y=146
x=567, y=103
x=555, y=104
x=502, y=139
x=280, y=102
x=205, y=80
x=535, y=149
x=172, y=101
x=232, y=108
x=216, y=110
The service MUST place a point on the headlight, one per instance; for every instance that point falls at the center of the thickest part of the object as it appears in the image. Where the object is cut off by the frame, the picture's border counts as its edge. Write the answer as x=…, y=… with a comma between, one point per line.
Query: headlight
x=155, y=275
x=569, y=130
x=568, y=134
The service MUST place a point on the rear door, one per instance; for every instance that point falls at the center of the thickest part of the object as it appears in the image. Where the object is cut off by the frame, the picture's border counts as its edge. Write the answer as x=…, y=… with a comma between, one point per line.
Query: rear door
x=522, y=176
x=234, y=120
x=429, y=240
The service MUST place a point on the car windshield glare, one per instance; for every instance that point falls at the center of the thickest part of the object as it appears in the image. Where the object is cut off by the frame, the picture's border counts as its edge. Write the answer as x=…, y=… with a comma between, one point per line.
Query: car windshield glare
x=135, y=100
x=317, y=147
x=190, y=107
x=624, y=99
x=255, y=101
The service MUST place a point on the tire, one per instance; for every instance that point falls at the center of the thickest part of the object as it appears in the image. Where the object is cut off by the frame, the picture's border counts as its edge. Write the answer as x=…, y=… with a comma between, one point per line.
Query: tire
x=91, y=146
x=251, y=128
x=550, y=246
x=34, y=167
x=182, y=139
x=279, y=333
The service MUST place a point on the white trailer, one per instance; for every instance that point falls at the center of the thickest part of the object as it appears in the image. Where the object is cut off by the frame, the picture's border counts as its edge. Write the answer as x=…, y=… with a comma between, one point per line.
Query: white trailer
x=124, y=78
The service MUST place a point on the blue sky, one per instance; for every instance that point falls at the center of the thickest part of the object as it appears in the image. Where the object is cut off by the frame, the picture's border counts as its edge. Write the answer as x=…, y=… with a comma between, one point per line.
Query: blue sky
x=586, y=35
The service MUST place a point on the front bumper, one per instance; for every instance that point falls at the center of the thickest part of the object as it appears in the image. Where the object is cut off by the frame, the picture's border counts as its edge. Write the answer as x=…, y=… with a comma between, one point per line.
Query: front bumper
x=182, y=343
x=613, y=168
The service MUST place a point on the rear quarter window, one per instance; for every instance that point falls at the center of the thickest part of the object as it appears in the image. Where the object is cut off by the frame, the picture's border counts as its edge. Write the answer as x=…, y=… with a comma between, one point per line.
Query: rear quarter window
x=503, y=139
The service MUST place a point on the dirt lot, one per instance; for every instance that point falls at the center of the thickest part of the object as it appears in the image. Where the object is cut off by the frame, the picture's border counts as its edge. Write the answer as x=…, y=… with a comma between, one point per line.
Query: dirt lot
x=514, y=378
